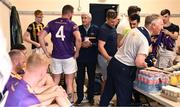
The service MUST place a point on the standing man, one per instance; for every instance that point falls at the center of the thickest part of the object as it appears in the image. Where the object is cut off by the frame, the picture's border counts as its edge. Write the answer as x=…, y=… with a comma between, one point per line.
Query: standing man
x=107, y=42
x=124, y=26
x=63, y=33
x=87, y=58
x=166, y=51
x=31, y=34
x=122, y=67
x=134, y=20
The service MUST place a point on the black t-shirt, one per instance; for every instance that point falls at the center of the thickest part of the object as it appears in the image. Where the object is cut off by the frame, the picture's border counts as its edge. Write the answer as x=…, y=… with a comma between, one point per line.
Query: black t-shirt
x=172, y=28
x=108, y=34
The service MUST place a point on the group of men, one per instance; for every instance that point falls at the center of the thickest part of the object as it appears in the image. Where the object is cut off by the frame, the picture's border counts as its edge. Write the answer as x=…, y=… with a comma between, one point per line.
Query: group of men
x=79, y=48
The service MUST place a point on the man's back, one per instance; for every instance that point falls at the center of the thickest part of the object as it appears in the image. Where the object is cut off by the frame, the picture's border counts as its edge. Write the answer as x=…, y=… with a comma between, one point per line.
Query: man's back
x=61, y=30
x=135, y=43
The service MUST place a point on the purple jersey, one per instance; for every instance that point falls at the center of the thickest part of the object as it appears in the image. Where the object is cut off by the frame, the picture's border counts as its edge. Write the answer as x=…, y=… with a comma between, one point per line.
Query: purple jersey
x=61, y=30
x=20, y=96
x=12, y=79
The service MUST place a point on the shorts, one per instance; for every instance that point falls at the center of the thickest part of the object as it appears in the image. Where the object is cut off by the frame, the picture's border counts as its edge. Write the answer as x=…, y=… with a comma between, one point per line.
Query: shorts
x=103, y=63
x=66, y=66
x=38, y=50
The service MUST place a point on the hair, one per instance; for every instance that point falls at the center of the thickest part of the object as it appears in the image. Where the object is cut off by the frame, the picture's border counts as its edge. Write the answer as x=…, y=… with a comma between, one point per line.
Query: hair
x=15, y=54
x=165, y=11
x=150, y=19
x=67, y=9
x=38, y=12
x=133, y=9
x=87, y=14
x=133, y=17
x=111, y=14
x=35, y=60
x=19, y=47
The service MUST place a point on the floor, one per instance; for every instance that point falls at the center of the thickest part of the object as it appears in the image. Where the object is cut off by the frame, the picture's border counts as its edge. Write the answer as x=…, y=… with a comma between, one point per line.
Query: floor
x=152, y=103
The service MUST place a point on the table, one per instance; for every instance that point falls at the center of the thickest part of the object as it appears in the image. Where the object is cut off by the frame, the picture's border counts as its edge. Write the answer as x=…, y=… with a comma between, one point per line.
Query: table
x=156, y=96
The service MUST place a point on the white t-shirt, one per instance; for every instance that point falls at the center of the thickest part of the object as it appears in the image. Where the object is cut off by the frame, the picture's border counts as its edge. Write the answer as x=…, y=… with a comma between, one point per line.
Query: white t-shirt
x=134, y=43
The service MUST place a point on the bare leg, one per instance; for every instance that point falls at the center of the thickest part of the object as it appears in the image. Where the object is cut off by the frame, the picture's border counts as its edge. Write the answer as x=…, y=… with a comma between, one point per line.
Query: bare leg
x=103, y=82
x=56, y=78
x=69, y=78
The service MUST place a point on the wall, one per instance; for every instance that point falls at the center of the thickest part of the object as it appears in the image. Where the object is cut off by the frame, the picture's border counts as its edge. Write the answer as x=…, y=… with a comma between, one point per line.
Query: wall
x=5, y=23
x=147, y=6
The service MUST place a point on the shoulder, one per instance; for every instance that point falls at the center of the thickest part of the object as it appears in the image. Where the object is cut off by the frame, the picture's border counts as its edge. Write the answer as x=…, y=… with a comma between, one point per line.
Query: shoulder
x=80, y=26
x=31, y=24
x=42, y=24
x=16, y=76
x=139, y=36
x=174, y=26
x=53, y=21
x=94, y=26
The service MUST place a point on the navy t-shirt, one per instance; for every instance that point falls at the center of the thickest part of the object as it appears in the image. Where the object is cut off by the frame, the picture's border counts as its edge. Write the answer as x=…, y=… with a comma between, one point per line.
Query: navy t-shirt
x=108, y=34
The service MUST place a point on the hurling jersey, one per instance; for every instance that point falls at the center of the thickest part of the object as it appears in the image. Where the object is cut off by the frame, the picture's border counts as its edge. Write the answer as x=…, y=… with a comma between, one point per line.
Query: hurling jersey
x=20, y=95
x=61, y=30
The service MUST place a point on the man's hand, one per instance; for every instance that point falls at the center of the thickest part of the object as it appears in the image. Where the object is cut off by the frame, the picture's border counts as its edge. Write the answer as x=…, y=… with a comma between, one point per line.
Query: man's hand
x=166, y=32
x=76, y=55
x=37, y=45
x=47, y=54
x=86, y=44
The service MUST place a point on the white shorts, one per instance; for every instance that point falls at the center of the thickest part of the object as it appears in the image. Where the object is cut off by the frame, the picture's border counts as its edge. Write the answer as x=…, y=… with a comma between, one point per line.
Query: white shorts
x=68, y=66
x=38, y=50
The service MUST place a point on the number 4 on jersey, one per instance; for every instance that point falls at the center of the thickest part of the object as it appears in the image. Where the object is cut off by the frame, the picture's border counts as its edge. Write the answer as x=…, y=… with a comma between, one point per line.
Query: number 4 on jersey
x=60, y=33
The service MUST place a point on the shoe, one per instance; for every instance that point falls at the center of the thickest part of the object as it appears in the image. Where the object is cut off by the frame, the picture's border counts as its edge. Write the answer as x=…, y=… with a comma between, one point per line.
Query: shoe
x=91, y=102
x=85, y=100
x=78, y=103
x=71, y=98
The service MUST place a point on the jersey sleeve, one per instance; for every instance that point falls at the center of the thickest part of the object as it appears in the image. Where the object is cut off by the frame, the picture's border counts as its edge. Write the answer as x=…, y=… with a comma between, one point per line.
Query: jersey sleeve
x=177, y=29
x=29, y=29
x=75, y=27
x=102, y=35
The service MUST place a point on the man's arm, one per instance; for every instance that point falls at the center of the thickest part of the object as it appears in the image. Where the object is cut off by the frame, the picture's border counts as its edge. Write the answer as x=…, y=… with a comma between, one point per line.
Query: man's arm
x=172, y=35
x=26, y=37
x=102, y=50
x=41, y=36
x=140, y=61
x=77, y=36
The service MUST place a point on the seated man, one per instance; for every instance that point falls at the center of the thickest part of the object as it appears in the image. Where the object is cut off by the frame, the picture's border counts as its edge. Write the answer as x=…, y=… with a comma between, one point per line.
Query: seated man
x=18, y=61
x=22, y=93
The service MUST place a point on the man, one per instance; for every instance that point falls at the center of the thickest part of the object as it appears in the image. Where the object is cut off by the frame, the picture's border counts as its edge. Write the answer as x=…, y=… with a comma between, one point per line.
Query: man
x=87, y=58
x=18, y=62
x=63, y=32
x=166, y=51
x=31, y=34
x=122, y=68
x=107, y=42
x=124, y=25
x=133, y=9
x=134, y=20
x=22, y=92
